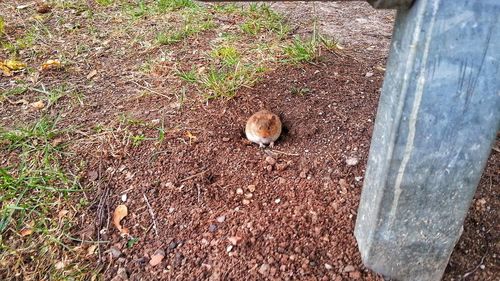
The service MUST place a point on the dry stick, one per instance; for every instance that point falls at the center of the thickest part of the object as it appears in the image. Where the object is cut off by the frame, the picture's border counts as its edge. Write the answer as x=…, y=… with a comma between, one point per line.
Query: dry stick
x=151, y=213
x=194, y=176
x=284, y=153
x=477, y=267
x=151, y=90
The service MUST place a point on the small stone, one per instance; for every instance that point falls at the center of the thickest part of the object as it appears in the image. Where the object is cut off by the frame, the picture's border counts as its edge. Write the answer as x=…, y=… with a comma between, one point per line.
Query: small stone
x=270, y=160
x=220, y=219
x=59, y=265
x=358, y=179
x=303, y=174
x=245, y=201
x=281, y=180
x=239, y=191
x=277, y=201
x=212, y=228
x=226, y=139
x=343, y=183
x=93, y=175
x=264, y=269
x=281, y=166
x=482, y=266
x=172, y=245
x=229, y=248
x=234, y=240
x=122, y=273
x=328, y=266
x=349, y=268
x=355, y=275
x=115, y=252
x=124, y=197
x=251, y=188
x=171, y=209
x=352, y=161
x=369, y=74
x=157, y=257
x=248, y=196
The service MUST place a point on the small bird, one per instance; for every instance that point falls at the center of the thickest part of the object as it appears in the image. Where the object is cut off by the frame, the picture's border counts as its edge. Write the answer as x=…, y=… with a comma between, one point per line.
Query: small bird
x=264, y=128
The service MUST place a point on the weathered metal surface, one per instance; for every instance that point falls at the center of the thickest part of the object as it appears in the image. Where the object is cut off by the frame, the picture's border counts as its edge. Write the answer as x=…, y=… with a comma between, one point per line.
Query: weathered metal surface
x=437, y=118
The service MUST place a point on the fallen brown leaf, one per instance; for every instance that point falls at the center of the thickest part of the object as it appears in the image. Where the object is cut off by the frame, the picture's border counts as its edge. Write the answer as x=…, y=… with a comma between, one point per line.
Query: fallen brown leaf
x=38, y=104
x=26, y=231
x=43, y=8
x=57, y=141
x=91, y=250
x=121, y=211
x=62, y=213
x=14, y=64
x=91, y=74
x=51, y=65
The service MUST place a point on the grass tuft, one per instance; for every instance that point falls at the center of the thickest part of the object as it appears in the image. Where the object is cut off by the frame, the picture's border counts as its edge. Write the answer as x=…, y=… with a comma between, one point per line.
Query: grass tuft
x=261, y=18
x=193, y=24
x=223, y=82
x=33, y=188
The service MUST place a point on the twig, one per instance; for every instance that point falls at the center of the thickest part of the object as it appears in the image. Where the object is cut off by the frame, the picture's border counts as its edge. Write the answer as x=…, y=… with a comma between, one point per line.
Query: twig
x=284, y=153
x=152, y=91
x=194, y=176
x=151, y=213
x=476, y=268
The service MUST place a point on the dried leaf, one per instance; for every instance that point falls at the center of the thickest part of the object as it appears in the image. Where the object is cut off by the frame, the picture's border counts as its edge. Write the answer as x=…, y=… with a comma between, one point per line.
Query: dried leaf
x=26, y=231
x=38, y=104
x=121, y=211
x=2, y=25
x=14, y=64
x=91, y=250
x=192, y=138
x=59, y=265
x=5, y=70
x=43, y=8
x=91, y=74
x=62, y=213
x=56, y=142
x=51, y=65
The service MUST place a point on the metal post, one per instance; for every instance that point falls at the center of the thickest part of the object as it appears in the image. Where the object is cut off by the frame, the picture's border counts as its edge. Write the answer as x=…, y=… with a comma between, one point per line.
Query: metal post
x=437, y=118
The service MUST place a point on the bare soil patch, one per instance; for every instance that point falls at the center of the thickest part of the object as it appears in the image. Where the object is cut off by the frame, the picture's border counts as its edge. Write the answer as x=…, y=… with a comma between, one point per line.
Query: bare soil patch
x=212, y=205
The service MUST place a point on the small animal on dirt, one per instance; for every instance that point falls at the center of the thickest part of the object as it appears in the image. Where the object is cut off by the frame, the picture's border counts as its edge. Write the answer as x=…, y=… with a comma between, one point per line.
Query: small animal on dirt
x=263, y=128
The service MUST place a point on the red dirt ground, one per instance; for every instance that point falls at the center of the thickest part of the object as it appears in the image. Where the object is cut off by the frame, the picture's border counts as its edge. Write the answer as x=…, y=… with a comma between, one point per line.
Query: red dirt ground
x=290, y=211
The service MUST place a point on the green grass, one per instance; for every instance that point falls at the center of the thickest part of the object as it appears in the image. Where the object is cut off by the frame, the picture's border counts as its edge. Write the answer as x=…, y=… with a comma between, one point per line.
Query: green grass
x=189, y=76
x=7, y=94
x=261, y=18
x=104, y=2
x=33, y=190
x=24, y=42
x=223, y=82
x=301, y=50
x=307, y=50
x=2, y=26
x=172, y=5
x=192, y=25
x=228, y=55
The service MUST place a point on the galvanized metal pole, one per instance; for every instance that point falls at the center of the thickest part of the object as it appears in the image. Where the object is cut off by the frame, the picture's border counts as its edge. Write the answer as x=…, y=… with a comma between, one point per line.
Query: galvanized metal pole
x=437, y=118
